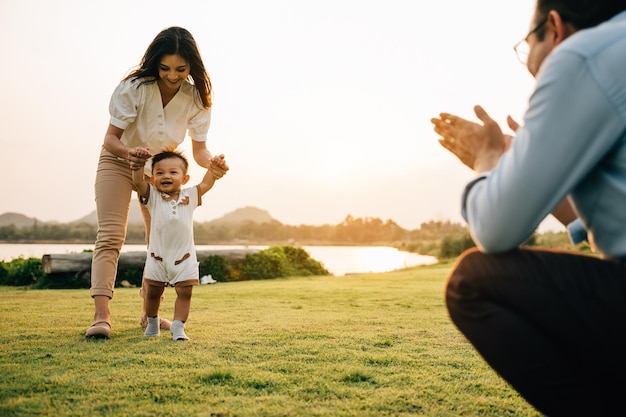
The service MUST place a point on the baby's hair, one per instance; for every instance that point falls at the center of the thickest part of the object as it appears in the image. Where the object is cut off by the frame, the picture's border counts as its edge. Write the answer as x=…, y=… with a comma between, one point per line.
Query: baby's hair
x=170, y=154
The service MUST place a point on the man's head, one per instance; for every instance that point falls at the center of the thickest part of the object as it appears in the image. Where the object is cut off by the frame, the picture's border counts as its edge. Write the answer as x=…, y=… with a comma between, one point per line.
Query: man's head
x=556, y=20
x=169, y=171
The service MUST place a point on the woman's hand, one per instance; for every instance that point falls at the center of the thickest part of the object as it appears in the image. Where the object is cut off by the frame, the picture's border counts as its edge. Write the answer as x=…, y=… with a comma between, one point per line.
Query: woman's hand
x=137, y=157
x=218, y=166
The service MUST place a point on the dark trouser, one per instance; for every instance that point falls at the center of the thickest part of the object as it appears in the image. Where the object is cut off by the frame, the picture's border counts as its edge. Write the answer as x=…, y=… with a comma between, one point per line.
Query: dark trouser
x=553, y=324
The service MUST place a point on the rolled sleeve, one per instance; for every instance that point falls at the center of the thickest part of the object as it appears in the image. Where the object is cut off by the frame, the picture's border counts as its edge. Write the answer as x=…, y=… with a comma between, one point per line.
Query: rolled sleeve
x=124, y=104
x=199, y=124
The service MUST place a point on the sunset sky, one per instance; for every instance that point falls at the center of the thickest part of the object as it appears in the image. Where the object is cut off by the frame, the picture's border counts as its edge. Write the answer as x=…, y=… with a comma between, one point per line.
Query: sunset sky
x=322, y=107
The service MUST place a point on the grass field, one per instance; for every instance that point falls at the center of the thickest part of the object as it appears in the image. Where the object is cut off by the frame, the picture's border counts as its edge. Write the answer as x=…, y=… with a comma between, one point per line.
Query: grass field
x=359, y=345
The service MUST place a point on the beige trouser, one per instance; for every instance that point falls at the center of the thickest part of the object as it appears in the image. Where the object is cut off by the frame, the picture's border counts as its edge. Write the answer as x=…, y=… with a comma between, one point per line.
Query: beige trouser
x=113, y=189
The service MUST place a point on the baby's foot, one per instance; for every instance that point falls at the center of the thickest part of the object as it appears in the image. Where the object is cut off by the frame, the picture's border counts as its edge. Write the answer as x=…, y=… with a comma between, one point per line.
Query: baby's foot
x=152, y=329
x=178, y=330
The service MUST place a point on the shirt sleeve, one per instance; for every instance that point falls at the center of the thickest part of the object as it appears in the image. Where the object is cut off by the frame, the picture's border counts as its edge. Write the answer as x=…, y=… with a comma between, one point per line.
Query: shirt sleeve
x=150, y=200
x=563, y=138
x=198, y=124
x=124, y=103
x=466, y=191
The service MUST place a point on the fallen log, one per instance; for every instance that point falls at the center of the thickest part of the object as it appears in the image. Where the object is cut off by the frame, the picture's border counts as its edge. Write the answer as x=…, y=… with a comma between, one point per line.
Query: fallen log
x=80, y=262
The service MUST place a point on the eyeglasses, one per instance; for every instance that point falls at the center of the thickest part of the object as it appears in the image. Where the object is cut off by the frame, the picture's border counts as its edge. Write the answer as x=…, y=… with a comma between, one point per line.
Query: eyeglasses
x=521, y=48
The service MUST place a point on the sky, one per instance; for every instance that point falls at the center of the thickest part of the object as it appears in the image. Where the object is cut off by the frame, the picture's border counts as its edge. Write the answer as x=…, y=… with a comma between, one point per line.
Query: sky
x=322, y=108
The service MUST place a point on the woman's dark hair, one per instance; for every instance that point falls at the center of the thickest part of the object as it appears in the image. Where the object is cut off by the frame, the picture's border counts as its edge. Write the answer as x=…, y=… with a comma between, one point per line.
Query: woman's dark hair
x=175, y=40
x=581, y=14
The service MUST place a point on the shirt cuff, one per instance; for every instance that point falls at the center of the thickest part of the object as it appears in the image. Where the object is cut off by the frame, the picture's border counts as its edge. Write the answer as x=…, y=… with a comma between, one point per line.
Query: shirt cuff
x=198, y=138
x=466, y=191
x=577, y=232
x=119, y=123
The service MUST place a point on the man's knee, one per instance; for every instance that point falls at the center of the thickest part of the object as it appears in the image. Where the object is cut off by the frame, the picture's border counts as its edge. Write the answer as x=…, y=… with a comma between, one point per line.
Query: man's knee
x=460, y=285
x=466, y=267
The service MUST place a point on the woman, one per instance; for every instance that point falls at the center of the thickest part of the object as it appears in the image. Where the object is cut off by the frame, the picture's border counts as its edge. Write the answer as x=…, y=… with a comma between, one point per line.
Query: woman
x=168, y=95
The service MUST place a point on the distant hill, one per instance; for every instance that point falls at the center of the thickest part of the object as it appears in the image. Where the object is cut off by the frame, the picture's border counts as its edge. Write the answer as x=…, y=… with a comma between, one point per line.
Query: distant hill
x=244, y=214
x=239, y=215
x=18, y=220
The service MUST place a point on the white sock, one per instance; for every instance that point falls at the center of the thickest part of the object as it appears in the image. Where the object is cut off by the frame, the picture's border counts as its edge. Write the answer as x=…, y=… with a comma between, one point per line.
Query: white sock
x=178, y=330
x=152, y=329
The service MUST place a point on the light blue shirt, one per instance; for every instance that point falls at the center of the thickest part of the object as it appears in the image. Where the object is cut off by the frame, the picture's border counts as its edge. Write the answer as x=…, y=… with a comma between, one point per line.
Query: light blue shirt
x=573, y=143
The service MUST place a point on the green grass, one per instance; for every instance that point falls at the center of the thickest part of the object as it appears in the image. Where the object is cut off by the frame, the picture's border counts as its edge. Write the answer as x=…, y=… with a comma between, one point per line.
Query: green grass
x=360, y=345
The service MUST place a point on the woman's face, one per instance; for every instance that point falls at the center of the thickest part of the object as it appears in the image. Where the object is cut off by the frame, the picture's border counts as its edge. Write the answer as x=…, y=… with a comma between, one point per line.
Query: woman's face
x=173, y=70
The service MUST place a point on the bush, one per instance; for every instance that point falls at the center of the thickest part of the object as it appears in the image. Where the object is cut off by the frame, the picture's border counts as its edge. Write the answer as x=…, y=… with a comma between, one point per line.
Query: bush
x=453, y=246
x=82, y=279
x=21, y=272
x=217, y=267
x=3, y=273
x=301, y=262
x=423, y=247
x=268, y=263
x=279, y=261
x=274, y=262
x=63, y=280
x=133, y=276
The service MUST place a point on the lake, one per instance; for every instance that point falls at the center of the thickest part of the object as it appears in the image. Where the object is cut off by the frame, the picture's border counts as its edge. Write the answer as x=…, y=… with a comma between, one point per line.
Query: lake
x=339, y=260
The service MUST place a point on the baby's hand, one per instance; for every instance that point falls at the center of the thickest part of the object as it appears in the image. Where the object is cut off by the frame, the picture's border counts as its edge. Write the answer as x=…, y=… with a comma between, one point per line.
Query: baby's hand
x=137, y=157
x=141, y=153
x=219, y=161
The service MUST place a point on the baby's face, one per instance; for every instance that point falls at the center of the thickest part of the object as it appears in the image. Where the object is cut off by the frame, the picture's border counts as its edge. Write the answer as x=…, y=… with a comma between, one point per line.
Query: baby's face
x=168, y=175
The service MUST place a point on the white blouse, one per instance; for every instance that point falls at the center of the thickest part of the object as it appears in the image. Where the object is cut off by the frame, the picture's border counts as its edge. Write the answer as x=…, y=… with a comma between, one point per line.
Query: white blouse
x=137, y=108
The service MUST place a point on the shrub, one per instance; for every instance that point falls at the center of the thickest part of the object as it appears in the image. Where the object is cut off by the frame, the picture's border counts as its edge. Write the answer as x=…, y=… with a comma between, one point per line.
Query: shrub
x=301, y=262
x=268, y=263
x=63, y=280
x=453, y=246
x=217, y=267
x=3, y=273
x=133, y=276
x=279, y=261
x=21, y=272
x=82, y=279
x=273, y=262
x=423, y=247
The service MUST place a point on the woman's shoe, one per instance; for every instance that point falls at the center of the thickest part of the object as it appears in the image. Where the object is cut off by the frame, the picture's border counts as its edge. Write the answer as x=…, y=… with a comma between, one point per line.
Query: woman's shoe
x=99, y=330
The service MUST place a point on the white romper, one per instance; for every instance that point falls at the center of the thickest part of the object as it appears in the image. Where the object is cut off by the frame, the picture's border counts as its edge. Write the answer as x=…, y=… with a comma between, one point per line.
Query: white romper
x=171, y=254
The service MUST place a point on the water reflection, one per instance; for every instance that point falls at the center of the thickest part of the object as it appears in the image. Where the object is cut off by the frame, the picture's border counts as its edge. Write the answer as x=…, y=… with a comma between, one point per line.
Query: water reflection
x=341, y=260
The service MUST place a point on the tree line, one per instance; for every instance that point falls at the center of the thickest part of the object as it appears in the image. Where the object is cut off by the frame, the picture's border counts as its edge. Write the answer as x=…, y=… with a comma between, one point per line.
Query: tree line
x=352, y=230
x=444, y=239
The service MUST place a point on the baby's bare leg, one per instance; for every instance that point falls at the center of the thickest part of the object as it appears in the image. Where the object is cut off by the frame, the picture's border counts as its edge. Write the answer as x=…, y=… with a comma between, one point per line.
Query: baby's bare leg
x=152, y=302
x=181, y=312
x=183, y=302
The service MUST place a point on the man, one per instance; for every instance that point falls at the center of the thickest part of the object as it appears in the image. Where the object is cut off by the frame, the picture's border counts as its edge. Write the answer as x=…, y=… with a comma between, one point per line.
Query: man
x=553, y=324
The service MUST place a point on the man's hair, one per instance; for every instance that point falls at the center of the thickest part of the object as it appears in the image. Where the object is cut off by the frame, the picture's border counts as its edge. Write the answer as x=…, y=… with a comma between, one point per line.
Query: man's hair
x=581, y=14
x=170, y=154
